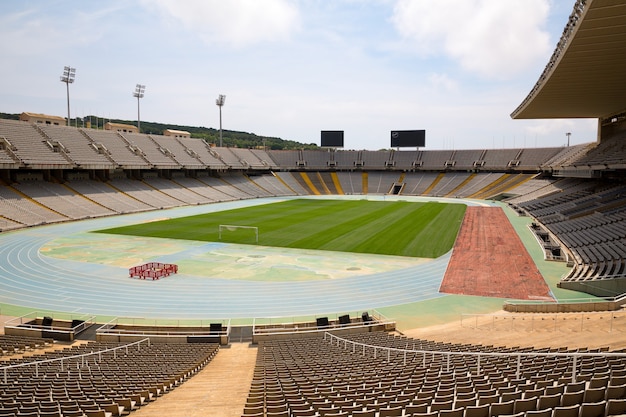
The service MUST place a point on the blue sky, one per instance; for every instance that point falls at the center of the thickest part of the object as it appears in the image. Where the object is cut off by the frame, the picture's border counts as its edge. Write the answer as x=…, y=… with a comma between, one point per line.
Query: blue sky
x=291, y=68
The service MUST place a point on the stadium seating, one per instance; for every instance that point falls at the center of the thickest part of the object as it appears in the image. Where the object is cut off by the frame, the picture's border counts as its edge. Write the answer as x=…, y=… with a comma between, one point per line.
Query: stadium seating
x=97, y=378
x=201, y=150
x=175, y=149
x=589, y=219
x=158, y=156
x=100, y=173
x=77, y=146
x=117, y=149
x=314, y=375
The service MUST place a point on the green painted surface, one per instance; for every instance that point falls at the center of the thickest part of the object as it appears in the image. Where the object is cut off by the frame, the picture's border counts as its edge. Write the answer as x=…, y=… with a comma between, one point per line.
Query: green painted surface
x=400, y=228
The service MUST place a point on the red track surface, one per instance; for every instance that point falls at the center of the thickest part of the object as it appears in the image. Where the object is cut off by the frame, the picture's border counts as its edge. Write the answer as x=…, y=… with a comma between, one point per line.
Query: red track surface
x=490, y=260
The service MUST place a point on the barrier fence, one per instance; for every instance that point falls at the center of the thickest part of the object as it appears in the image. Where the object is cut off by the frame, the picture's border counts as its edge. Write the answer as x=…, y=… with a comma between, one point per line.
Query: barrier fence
x=386, y=352
x=62, y=360
x=609, y=321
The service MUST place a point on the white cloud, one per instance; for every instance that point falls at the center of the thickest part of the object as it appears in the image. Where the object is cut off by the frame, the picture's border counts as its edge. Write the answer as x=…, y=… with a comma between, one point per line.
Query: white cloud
x=443, y=81
x=579, y=129
x=492, y=38
x=235, y=22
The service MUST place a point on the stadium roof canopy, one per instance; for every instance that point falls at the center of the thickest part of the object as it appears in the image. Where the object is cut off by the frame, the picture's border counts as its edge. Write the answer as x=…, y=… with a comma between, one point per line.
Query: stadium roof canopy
x=586, y=75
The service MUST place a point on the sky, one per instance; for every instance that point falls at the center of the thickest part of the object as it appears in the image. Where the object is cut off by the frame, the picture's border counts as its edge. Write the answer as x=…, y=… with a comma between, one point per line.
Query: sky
x=292, y=68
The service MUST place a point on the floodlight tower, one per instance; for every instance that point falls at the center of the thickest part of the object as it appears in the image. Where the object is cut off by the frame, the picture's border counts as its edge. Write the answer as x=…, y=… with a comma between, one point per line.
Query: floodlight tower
x=568, y=134
x=69, y=74
x=220, y=102
x=139, y=93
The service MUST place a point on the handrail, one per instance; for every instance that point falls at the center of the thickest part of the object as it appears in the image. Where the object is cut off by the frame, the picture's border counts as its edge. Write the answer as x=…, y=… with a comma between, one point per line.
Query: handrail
x=533, y=316
x=448, y=354
x=180, y=330
x=64, y=358
x=300, y=327
x=315, y=329
x=586, y=300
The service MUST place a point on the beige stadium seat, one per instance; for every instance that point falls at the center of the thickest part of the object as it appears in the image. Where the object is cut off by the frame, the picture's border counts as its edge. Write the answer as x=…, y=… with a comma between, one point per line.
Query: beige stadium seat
x=477, y=411
x=539, y=413
x=596, y=409
x=566, y=411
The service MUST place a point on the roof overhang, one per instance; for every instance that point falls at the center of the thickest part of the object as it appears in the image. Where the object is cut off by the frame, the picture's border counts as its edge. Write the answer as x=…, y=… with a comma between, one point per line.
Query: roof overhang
x=586, y=76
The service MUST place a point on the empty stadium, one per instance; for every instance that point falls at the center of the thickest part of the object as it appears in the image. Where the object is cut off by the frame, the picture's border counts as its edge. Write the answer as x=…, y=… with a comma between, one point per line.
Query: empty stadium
x=522, y=317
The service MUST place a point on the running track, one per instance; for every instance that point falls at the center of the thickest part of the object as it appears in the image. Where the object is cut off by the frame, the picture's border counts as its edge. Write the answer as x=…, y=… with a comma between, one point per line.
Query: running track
x=29, y=278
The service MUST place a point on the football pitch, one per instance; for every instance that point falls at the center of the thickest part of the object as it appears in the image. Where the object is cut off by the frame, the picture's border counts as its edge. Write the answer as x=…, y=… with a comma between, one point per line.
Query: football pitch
x=417, y=229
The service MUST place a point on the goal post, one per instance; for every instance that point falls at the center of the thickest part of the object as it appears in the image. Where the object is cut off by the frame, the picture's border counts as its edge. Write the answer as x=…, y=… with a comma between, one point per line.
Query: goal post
x=223, y=228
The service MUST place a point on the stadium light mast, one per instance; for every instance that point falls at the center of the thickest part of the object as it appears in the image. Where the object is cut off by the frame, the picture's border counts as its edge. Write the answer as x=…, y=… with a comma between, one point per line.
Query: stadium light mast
x=220, y=102
x=139, y=93
x=568, y=134
x=69, y=74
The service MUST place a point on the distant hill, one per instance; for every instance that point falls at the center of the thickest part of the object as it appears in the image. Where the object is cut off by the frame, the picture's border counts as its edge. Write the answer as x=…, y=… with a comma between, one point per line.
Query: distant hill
x=230, y=138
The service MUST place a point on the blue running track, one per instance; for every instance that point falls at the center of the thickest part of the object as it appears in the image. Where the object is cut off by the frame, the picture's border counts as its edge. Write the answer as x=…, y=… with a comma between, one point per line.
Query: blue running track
x=31, y=279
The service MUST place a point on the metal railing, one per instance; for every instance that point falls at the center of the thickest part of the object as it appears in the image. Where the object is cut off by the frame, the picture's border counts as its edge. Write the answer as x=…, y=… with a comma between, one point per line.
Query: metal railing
x=82, y=356
x=28, y=321
x=385, y=353
x=162, y=328
x=608, y=321
x=281, y=325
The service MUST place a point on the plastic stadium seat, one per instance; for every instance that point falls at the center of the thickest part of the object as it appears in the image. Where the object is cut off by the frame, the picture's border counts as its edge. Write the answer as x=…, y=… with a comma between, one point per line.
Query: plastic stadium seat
x=501, y=408
x=477, y=411
x=615, y=407
x=548, y=401
x=525, y=404
x=566, y=411
x=593, y=395
x=456, y=412
x=596, y=409
x=572, y=398
x=615, y=391
x=539, y=413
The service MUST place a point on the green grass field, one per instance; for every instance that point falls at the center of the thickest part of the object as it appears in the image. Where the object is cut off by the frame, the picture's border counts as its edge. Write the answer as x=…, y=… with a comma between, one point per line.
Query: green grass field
x=426, y=230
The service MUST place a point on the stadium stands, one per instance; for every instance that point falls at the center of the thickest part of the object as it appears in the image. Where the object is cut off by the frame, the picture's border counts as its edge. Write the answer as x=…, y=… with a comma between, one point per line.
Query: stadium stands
x=175, y=190
x=375, y=159
x=158, y=156
x=380, y=374
x=575, y=195
x=204, y=153
x=351, y=182
x=110, y=379
x=436, y=160
x=30, y=146
x=290, y=180
x=231, y=159
x=76, y=146
x=122, y=154
x=11, y=345
x=109, y=173
x=286, y=159
x=381, y=182
x=104, y=173
x=144, y=193
x=22, y=211
x=589, y=219
x=406, y=160
x=62, y=199
x=174, y=148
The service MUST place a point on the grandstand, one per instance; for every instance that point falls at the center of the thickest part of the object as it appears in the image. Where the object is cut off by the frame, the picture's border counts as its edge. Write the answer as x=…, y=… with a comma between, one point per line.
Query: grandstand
x=573, y=198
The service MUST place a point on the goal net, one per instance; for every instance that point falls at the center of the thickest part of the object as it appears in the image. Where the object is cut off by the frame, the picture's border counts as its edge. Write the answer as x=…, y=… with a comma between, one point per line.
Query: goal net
x=238, y=234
